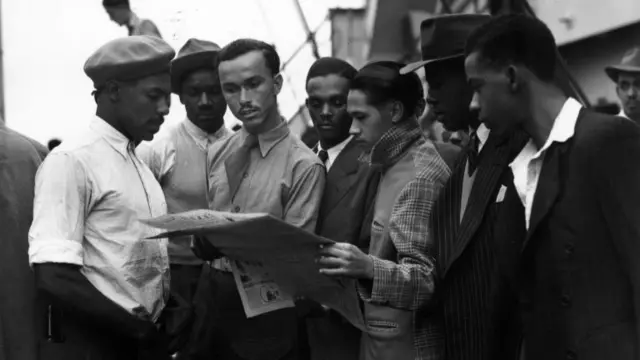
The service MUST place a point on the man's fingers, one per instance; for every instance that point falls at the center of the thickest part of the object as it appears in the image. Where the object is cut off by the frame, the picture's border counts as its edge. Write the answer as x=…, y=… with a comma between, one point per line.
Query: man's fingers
x=331, y=262
x=333, y=272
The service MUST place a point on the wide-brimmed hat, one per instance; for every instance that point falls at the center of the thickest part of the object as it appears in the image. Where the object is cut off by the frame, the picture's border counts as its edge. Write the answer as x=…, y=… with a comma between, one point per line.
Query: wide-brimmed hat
x=444, y=37
x=630, y=63
x=195, y=54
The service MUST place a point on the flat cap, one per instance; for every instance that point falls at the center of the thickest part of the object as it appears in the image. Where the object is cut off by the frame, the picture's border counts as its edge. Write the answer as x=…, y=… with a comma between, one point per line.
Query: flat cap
x=195, y=54
x=129, y=58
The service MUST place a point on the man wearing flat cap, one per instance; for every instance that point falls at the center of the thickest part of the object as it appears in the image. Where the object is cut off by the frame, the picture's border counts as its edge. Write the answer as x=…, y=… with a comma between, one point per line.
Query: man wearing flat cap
x=626, y=75
x=120, y=12
x=179, y=159
x=476, y=306
x=102, y=285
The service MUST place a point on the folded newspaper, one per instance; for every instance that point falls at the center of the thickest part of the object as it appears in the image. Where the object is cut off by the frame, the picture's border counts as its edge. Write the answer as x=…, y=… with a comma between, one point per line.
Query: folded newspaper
x=272, y=261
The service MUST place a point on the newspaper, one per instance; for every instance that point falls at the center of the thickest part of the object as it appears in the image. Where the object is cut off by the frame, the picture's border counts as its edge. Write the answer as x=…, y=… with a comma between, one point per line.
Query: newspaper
x=287, y=253
x=258, y=292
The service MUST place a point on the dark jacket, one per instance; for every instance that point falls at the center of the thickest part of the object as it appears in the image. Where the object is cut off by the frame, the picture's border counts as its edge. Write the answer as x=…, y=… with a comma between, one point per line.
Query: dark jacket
x=580, y=279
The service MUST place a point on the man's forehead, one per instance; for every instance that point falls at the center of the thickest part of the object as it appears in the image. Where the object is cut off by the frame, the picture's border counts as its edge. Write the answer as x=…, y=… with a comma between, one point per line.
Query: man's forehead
x=244, y=66
x=331, y=84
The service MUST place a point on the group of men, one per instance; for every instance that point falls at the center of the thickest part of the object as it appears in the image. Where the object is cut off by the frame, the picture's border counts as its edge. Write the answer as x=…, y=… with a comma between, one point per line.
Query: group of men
x=520, y=246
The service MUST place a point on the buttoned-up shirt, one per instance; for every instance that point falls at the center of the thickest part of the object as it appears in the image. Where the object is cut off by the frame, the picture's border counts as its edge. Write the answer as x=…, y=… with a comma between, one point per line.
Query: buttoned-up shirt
x=90, y=194
x=179, y=161
x=284, y=178
x=334, y=151
x=527, y=166
x=160, y=154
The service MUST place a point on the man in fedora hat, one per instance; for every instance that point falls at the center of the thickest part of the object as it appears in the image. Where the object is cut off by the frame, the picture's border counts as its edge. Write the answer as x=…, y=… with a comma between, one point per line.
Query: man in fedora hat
x=179, y=159
x=120, y=12
x=626, y=75
x=476, y=306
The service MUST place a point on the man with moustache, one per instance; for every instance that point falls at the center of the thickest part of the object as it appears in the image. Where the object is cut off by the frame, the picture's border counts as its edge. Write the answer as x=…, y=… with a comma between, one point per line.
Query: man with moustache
x=579, y=276
x=264, y=168
x=626, y=76
x=102, y=284
x=179, y=159
x=347, y=203
x=477, y=303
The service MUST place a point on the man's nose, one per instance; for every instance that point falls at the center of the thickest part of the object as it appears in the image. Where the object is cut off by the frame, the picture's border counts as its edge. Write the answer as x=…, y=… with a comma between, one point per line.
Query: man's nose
x=632, y=93
x=354, y=129
x=244, y=96
x=204, y=100
x=326, y=111
x=474, y=104
x=164, y=105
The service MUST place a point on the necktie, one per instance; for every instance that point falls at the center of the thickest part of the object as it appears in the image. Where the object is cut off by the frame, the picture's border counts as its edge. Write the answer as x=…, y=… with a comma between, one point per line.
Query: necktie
x=238, y=163
x=323, y=155
x=472, y=153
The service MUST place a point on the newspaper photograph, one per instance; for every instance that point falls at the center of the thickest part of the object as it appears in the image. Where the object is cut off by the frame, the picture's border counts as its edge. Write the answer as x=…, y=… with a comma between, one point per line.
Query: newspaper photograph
x=258, y=292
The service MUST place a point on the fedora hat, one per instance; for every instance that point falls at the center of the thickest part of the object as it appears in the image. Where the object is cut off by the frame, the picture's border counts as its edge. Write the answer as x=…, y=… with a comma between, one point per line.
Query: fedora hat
x=195, y=54
x=444, y=37
x=630, y=63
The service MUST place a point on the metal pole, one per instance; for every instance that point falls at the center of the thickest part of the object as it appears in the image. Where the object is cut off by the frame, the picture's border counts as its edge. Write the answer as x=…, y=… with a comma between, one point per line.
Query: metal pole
x=311, y=36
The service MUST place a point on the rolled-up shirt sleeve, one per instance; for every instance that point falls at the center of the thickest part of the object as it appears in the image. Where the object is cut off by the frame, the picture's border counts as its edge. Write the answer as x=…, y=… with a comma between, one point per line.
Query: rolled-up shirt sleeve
x=60, y=205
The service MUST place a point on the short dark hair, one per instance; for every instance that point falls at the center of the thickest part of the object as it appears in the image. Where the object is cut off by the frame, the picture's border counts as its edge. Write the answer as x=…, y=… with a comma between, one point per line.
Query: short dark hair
x=53, y=143
x=116, y=3
x=240, y=47
x=331, y=66
x=381, y=81
x=518, y=39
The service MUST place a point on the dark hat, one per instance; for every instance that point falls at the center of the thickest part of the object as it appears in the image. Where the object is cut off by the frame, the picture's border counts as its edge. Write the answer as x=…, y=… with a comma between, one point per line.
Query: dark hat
x=129, y=58
x=630, y=63
x=444, y=37
x=113, y=3
x=195, y=54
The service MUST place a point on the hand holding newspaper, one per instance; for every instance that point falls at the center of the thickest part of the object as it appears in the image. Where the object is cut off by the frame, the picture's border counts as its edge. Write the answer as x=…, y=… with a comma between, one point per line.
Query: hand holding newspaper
x=272, y=261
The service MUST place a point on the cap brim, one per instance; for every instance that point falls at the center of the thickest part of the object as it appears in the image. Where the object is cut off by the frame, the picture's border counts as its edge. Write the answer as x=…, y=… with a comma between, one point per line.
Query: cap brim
x=614, y=71
x=418, y=64
x=185, y=64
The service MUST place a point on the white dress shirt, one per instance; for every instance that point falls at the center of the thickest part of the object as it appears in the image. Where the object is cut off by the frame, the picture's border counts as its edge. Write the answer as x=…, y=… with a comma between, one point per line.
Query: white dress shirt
x=334, y=152
x=90, y=193
x=467, y=181
x=526, y=167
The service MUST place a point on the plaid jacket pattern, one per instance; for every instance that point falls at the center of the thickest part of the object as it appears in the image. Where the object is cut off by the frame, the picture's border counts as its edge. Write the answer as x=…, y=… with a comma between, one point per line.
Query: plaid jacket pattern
x=408, y=282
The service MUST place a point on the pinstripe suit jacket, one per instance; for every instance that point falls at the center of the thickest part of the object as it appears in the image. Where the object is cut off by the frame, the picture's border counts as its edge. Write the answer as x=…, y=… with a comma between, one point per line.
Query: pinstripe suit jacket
x=476, y=301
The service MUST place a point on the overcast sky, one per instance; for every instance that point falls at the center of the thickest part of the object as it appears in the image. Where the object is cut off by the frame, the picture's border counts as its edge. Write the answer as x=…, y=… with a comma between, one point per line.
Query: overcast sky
x=45, y=45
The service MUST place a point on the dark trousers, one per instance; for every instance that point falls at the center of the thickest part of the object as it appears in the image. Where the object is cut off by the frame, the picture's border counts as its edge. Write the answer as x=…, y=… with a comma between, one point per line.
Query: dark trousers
x=184, y=281
x=223, y=332
x=78, y=339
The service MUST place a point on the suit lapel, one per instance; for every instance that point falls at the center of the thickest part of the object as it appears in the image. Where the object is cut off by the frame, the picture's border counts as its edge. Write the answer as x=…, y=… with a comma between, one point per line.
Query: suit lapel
x=496, y=154
x=343, y=175
x=548, y=188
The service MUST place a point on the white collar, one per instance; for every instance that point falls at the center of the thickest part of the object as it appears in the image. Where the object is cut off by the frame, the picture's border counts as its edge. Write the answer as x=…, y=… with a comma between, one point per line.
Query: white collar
x=483, y=134
x=564, y=126
x=334, y=151
x=623, y=114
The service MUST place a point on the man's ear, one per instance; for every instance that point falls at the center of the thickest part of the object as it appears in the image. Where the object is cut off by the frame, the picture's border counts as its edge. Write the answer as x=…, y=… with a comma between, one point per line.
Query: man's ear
x=397, y=111
x=277, y=83
x=514, y=78
x=113, y=89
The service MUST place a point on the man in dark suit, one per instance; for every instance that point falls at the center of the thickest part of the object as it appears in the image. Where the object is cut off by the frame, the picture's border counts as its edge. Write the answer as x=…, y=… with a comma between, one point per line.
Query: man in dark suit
x=347, y=203
x=578, y=179
x=477, y=303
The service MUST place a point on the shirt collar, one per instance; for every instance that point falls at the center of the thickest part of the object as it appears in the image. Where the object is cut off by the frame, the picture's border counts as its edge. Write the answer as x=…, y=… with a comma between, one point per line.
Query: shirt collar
x=564, y=126
x=482, y=132
x=201, y=137
x=269, y=139
x=113, y=137
x=623, y=114
x=334, y=151
x=394, y=143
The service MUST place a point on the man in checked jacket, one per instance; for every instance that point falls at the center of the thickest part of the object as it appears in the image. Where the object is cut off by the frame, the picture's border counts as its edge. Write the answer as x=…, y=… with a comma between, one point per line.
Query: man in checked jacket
x=396, y=279
x=476, y=206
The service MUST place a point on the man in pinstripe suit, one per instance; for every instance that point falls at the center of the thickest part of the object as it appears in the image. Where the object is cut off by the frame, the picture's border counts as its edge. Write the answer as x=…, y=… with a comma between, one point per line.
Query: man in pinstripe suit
x=476, y=301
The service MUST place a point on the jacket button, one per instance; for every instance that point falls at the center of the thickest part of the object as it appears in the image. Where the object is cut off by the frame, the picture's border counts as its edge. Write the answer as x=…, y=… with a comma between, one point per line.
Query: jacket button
x=236, y=209
x=568, y=248
x=565, y=300
x=571, y=355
